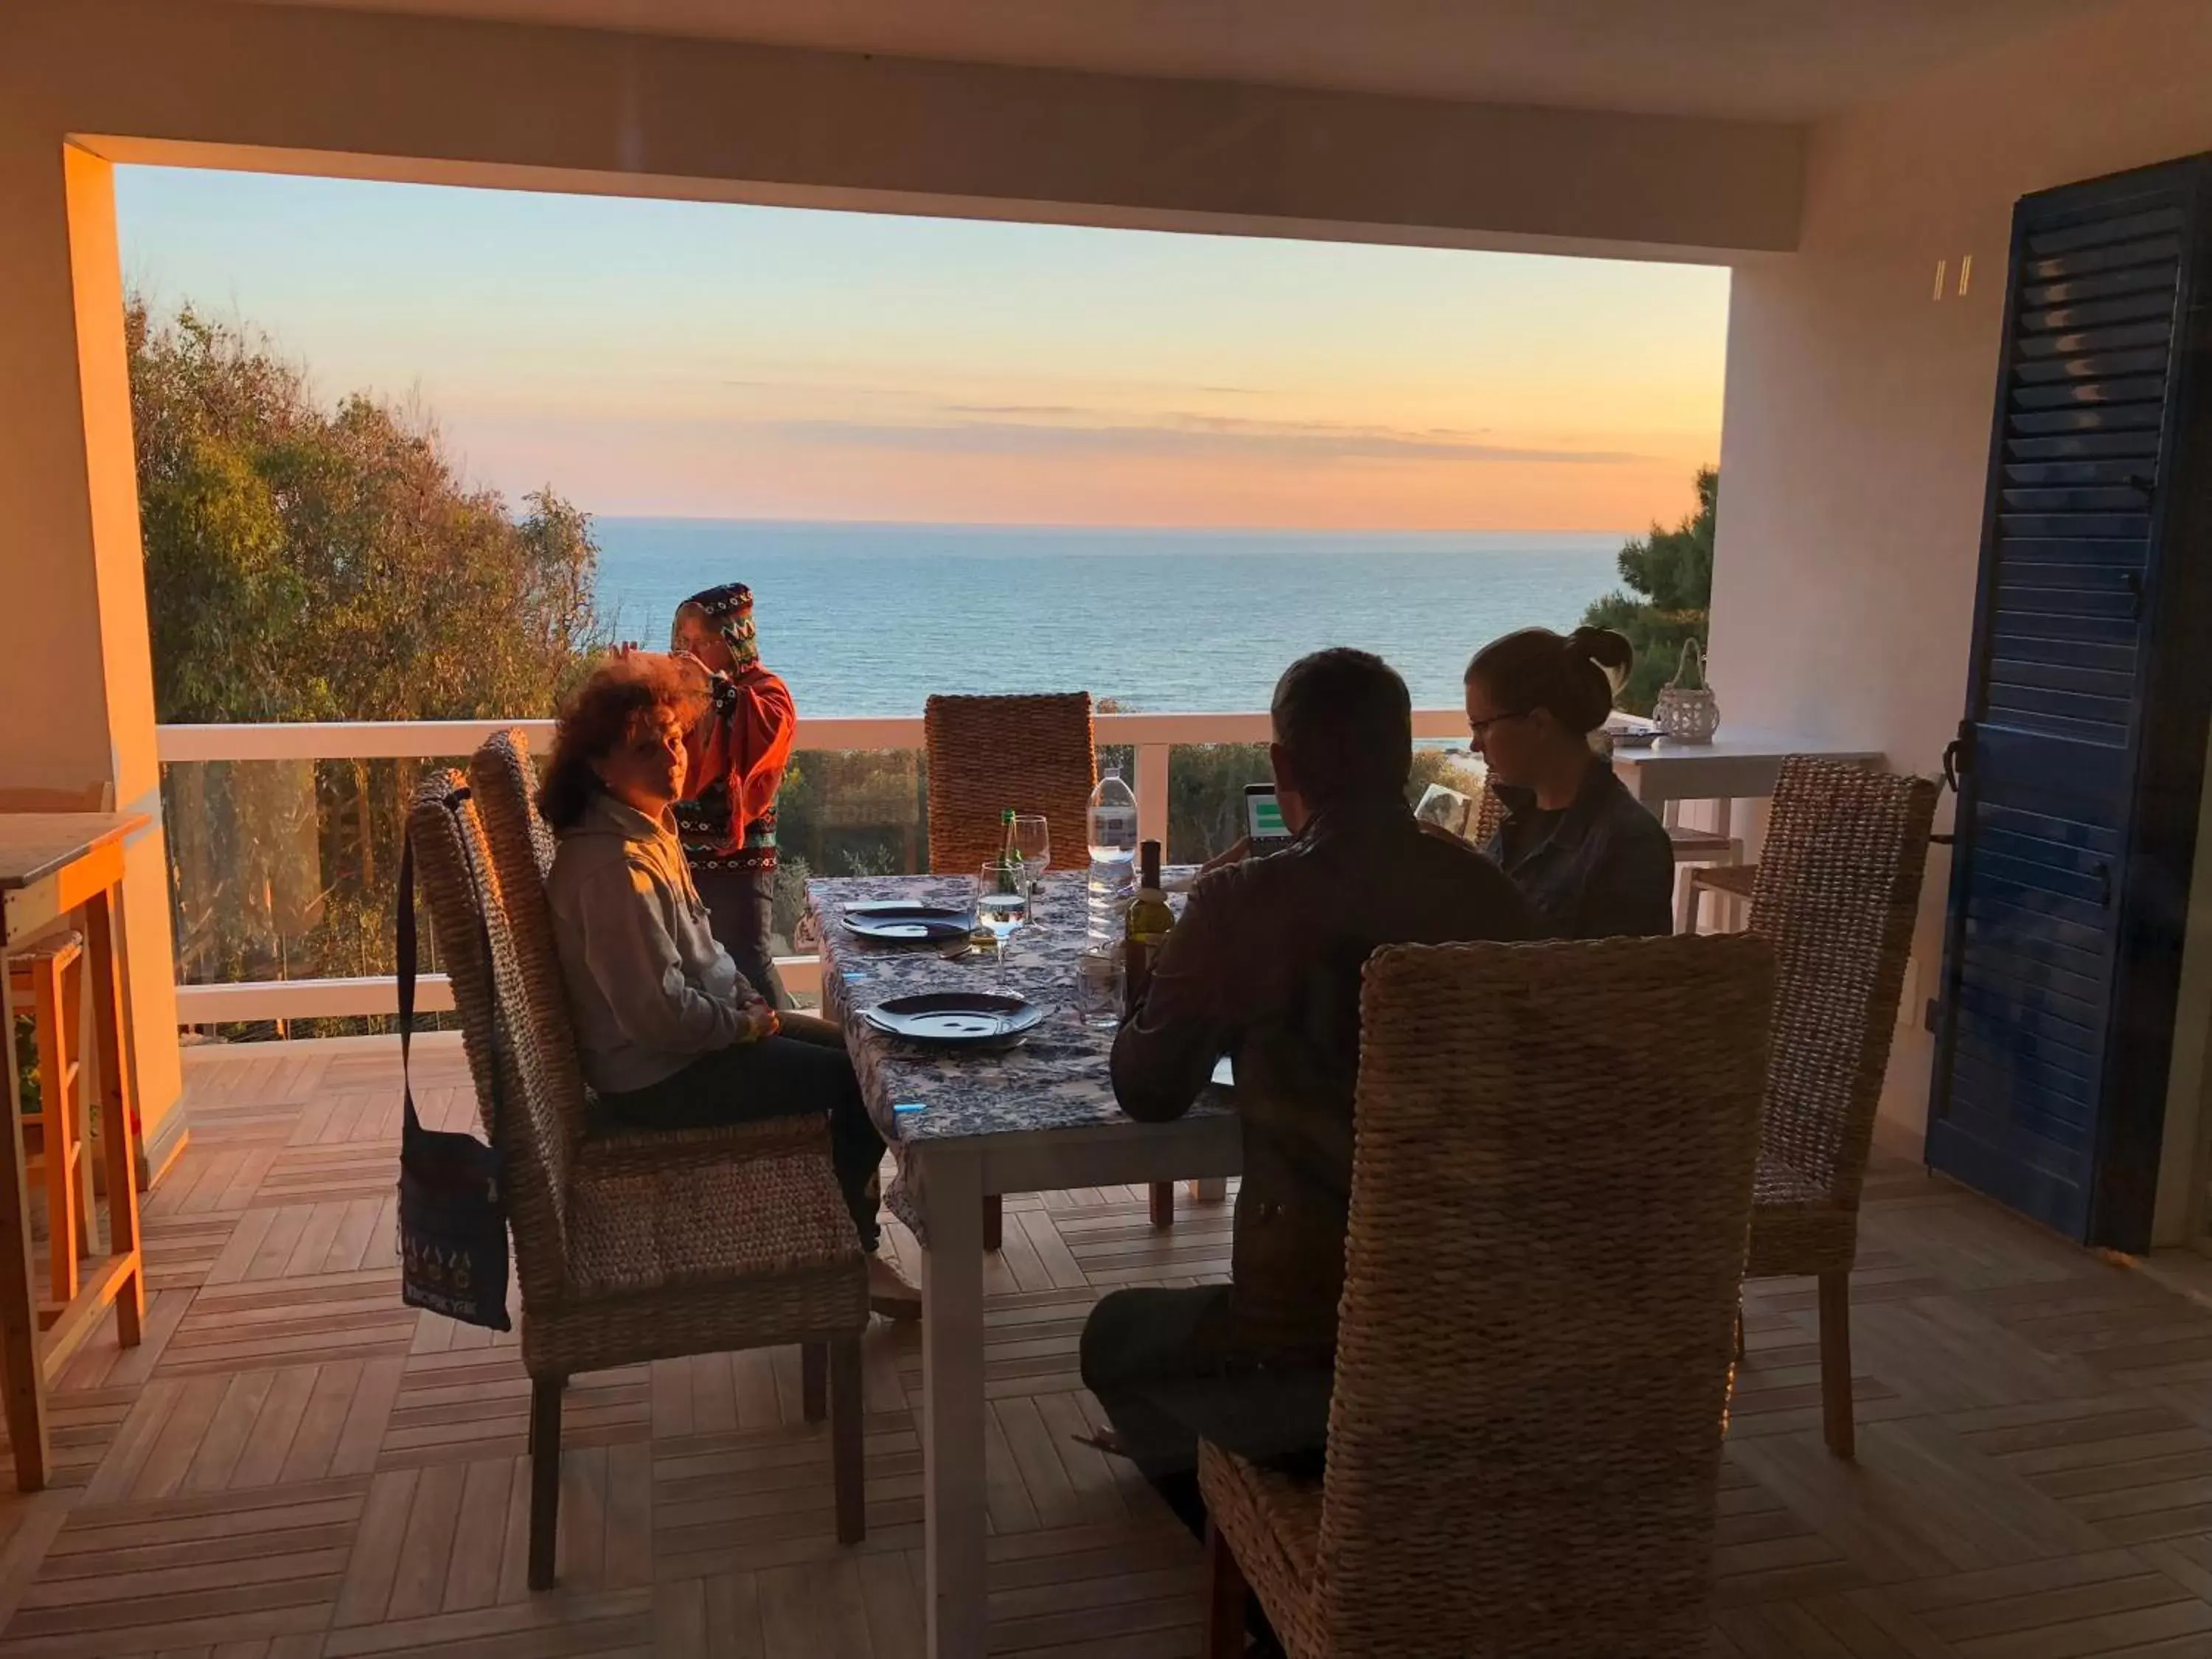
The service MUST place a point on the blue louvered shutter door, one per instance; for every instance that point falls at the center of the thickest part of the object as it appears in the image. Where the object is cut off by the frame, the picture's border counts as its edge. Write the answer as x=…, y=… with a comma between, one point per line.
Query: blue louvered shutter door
x=2052, y=750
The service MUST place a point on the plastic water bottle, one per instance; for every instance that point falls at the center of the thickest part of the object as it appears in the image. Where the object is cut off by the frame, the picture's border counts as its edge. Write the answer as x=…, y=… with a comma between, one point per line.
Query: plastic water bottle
x=1111, y=829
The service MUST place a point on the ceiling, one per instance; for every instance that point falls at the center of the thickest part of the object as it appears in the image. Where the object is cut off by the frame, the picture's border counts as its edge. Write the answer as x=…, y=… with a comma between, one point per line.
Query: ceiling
x=1751, y=60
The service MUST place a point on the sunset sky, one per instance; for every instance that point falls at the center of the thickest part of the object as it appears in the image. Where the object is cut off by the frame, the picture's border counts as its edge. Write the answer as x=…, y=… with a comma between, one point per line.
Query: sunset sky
x=705, y=361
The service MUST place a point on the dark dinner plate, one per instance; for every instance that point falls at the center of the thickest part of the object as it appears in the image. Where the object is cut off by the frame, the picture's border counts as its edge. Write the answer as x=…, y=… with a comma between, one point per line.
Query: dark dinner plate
x=906, y=921
x=955, y=1020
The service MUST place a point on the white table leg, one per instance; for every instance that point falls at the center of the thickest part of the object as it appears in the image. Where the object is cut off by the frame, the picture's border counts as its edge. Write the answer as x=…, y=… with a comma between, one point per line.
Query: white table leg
x=952, y=1402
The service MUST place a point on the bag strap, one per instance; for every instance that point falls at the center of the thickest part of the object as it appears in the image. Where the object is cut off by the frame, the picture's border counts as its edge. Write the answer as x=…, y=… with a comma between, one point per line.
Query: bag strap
x=407, y=978
x=406, y=928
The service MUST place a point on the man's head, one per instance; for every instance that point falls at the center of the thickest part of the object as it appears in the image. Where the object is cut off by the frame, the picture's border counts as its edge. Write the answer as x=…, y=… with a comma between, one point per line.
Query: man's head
x=1344, y=733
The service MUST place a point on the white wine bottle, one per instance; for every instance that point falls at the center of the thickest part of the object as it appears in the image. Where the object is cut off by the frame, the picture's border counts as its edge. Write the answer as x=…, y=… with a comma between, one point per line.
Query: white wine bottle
x=1150, y=919
x=1147, y=926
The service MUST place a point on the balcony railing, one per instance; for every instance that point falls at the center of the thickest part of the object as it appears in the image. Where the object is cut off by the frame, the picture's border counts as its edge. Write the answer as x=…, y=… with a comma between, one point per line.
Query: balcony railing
x=1149, y=738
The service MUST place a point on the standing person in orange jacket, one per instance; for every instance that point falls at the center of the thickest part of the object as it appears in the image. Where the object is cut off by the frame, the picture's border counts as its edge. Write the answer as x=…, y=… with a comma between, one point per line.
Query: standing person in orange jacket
x=738, y=750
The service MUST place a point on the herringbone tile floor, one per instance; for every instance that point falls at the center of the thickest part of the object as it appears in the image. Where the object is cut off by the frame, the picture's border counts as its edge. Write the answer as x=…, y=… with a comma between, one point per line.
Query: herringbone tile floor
x=295, y=1467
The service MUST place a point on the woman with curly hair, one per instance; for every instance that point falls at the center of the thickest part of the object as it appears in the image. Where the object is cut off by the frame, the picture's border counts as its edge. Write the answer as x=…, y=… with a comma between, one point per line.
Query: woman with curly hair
x=671, y=1034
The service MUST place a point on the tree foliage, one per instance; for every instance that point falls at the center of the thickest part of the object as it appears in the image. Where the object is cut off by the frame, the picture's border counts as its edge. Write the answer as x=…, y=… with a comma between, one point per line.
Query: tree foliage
x=312, y=564
x=307, y=561
x=1669, y=581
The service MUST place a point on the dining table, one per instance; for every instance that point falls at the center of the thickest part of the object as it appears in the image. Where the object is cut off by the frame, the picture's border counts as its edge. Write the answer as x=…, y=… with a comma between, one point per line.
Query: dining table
x=1736, y=763
x=964, y=1123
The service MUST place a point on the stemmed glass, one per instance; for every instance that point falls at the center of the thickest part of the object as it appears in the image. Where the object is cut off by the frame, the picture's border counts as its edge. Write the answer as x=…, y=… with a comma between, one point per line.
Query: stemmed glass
x=1033, y=846
x=1002, y=904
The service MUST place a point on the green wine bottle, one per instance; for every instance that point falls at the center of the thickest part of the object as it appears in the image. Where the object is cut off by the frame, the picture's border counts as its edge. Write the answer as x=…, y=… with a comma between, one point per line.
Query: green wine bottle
x=1150, y=919
x=1146, y=927
x=1010, y=861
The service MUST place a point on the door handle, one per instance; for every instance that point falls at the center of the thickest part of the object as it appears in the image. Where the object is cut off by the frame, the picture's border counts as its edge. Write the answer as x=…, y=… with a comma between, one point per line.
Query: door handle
x=2103, y=873
x=1958, y=761
x=1959, y=755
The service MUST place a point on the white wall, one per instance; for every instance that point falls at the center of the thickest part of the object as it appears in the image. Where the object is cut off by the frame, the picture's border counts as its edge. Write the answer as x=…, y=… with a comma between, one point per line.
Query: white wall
x=1857, y=424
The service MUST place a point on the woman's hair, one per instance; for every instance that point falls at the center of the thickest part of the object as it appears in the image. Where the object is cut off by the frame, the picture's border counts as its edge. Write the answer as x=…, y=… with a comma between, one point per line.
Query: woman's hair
x=599, y=717
x=1572, y=675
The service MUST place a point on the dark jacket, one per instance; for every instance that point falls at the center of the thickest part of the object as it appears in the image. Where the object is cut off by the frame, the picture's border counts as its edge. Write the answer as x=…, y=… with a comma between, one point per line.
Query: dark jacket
x=1600, y=868
x=1265, y=967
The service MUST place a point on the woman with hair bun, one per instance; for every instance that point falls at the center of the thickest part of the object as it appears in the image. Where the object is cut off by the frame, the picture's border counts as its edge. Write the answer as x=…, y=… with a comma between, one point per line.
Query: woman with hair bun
x=1589, y=856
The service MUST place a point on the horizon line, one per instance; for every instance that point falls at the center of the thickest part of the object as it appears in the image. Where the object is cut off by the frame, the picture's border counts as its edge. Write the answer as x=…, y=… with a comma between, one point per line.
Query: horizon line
x=1139, y=529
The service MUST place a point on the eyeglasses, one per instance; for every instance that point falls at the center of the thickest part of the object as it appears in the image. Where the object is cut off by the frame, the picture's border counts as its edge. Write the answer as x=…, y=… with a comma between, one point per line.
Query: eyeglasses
x=1481, y=729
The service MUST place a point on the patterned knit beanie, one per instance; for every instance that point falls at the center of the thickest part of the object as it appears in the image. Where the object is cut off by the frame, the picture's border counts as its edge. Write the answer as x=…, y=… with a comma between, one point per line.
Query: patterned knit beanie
x=730, y=609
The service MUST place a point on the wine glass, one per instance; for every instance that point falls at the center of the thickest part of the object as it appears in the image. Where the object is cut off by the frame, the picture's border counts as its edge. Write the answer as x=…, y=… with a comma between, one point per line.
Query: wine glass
x=1002, y=904
x=1033, y=846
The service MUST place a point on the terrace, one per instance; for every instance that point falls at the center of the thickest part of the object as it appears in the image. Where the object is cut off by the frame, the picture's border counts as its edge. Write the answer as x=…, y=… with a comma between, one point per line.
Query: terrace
x=293, y=1465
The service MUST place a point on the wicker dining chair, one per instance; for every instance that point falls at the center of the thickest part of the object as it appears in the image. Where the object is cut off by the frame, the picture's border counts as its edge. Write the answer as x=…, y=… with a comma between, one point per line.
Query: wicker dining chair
x=1034, y=754
x=631, y=1247
x=1551, y=1182
x=1837, y=894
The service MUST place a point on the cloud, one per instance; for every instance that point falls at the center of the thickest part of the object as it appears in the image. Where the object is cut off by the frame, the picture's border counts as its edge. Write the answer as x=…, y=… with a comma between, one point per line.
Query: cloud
x=1013, y=409
x=1181, y=435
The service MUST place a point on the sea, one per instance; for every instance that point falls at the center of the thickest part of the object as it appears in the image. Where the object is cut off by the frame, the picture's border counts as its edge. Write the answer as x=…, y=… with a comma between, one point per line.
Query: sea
x=869, y=619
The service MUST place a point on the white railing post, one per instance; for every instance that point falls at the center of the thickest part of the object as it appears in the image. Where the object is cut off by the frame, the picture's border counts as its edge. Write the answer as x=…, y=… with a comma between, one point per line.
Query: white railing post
x=1153, y=793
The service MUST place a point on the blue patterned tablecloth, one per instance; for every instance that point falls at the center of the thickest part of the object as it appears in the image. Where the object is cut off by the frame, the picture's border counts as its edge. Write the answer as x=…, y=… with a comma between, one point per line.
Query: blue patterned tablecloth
x=1058, y=1079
